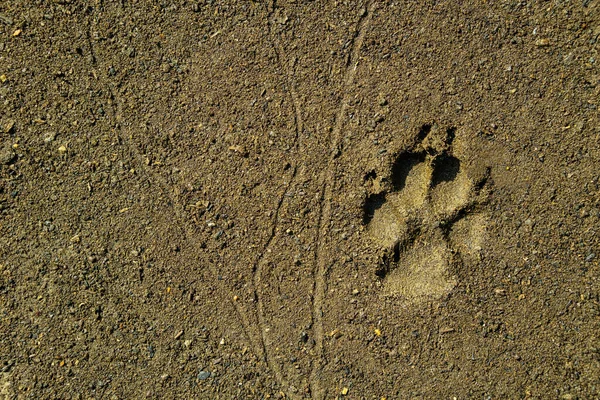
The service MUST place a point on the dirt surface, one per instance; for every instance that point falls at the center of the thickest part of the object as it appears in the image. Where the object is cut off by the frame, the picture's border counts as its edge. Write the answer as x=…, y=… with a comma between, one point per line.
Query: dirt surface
x=300, y=199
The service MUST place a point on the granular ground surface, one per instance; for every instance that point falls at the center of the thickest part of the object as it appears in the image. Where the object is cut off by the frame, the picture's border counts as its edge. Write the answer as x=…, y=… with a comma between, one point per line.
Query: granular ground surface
x=299, y=199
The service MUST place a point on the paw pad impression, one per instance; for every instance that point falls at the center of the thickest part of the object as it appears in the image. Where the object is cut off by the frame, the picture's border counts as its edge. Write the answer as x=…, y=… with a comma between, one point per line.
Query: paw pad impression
x=425, y=217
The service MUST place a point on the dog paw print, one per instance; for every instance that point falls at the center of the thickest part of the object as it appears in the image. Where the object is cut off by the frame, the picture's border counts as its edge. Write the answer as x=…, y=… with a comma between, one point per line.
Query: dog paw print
x=426, y=215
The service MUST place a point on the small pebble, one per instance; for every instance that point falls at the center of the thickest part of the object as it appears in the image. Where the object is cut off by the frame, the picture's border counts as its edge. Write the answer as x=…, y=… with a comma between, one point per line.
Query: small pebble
x=202, y=375
x=7, y=154
x=304, y=337
x=130, y=52
x=5, y=19
x=8, y=126
x=49, y=137
x=590, y=257
x=336, y=334
x=568, y=396
x=62, y=149
x=542, y=42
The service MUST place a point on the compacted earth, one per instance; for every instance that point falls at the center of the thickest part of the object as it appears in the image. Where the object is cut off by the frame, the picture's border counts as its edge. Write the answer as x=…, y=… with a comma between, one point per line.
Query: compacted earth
x=299, y=199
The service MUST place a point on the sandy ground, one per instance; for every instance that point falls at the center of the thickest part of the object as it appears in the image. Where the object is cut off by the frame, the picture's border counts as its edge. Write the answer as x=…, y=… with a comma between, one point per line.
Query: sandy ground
x=299, y=199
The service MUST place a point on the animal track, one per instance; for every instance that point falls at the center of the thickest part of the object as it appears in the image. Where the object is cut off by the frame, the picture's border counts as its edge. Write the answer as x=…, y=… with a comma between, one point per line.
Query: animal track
x=425, y=216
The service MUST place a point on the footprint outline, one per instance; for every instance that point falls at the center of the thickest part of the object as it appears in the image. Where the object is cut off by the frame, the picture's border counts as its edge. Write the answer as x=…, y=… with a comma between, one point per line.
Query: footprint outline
x=426, y=216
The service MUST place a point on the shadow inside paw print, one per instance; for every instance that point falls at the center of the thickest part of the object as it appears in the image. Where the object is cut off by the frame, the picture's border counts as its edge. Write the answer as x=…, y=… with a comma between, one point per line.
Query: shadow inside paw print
x=425, y=217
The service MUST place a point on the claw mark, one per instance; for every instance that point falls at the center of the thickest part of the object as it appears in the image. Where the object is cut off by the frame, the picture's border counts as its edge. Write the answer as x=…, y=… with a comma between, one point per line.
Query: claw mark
x=325, y=195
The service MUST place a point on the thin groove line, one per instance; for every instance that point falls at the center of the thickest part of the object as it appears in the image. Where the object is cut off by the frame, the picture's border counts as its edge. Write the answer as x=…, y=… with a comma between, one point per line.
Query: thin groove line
x=325, y=196
x=279, y=52
x=256, y=280
x=189, y=236
x=177, y=207
x=258, y=266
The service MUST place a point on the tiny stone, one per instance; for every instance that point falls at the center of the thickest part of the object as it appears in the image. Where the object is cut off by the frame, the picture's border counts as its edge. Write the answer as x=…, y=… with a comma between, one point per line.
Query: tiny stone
x=5, y=19
x=62, y=149
x=8, y=126
x=6, y=154
x=304, y=337
x=568, y=396
x=542, y=42
x=202, y=375
x=49, y=137
x=590, y=257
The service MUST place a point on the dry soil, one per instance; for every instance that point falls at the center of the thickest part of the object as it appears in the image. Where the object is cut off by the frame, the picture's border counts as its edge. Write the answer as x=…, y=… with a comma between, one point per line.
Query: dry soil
x=299, y=199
